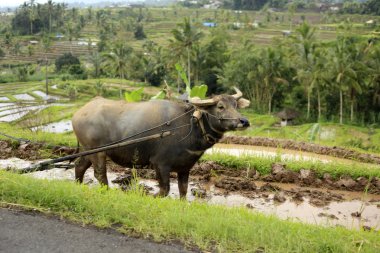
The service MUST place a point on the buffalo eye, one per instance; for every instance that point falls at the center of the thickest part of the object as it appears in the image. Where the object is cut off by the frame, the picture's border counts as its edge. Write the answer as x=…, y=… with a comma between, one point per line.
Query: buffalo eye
x=220, y=106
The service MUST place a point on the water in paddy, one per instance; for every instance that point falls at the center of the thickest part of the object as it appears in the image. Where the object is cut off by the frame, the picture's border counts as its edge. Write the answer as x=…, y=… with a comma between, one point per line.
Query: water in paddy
x=55, y=127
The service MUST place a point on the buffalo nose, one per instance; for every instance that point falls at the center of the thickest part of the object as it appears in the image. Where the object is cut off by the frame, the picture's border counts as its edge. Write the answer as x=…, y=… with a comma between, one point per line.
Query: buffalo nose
x=244, y=122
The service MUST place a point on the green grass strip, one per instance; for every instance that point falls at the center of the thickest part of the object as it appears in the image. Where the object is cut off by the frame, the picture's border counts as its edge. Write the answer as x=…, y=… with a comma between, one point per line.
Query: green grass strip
x=264, y=165
x=64, y=139
x=207, y=226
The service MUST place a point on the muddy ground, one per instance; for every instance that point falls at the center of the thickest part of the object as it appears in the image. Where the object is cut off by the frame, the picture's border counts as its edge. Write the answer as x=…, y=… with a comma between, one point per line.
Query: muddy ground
x=296, y=192
x=229, y=179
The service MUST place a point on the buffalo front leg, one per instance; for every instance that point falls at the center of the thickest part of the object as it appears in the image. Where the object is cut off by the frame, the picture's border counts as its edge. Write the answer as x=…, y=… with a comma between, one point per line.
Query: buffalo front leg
x=100, y=171
x=81, y=166
x=183, y=180
x=163, y=177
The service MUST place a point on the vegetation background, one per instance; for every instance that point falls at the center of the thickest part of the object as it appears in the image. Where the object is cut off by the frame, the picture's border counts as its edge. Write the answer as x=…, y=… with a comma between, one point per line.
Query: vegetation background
x=320, y=58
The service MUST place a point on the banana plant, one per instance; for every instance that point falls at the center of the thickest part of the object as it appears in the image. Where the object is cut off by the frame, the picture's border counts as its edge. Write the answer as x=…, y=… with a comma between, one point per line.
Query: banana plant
x=197, y=91
x=134, y=96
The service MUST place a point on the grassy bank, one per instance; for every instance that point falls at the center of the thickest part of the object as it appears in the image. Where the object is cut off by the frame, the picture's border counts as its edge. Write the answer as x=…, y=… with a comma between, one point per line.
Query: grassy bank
x=64, y=139
x=264, y=165
x=207, y=227
x=360, y=138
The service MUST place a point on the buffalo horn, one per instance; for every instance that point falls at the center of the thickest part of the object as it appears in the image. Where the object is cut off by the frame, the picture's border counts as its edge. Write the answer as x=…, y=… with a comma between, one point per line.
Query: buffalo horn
x=202, y=102
x=238, y=94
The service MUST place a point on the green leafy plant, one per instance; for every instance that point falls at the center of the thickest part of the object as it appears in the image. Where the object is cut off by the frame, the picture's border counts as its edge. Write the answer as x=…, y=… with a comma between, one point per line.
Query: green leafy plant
x=72, y=91
x=197, y=91
x=183, y=76
x=159, y=95
x=315, y=129
x=100, y=88
x=134, y=96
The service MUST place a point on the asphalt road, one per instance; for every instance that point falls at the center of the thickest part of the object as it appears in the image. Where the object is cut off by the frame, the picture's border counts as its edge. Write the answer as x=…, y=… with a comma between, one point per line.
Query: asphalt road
x=32, y=232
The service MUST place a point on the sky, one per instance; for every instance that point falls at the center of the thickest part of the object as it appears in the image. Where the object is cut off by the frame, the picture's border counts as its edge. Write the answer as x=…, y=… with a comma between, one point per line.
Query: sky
x=12, y=3
x=15, y=3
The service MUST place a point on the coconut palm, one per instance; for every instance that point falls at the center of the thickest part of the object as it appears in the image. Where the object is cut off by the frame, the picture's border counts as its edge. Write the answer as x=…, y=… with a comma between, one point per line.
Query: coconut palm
x=117, y=60
x=32, y=14
x=186, y=36
x=318, y=76
x=70, y=33
x=358, y=54
x=342, y=71
x=51, y=6
x=373, y=63
x=304, y=47
x=46, y=44
x=272, y=70
x=96, y=60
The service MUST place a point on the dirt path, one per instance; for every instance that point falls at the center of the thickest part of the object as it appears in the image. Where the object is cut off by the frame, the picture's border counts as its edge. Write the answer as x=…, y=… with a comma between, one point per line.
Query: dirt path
x=33, y=232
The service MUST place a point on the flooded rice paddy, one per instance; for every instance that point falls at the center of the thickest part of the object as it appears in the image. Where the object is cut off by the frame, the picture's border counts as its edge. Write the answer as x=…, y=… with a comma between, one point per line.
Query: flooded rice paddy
x=55, y=127
x=352, y=210
x=10, y=112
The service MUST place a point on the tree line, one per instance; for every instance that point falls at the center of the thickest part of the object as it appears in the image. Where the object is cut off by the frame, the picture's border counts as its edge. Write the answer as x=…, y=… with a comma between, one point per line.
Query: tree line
x=371, y=7
x=337, y=80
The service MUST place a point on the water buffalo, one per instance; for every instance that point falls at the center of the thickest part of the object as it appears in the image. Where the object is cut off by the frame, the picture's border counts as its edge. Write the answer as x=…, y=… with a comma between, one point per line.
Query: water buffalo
x=195, y=126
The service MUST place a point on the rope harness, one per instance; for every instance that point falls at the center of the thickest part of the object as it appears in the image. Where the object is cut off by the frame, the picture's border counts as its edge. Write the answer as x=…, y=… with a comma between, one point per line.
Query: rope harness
x=199, y=116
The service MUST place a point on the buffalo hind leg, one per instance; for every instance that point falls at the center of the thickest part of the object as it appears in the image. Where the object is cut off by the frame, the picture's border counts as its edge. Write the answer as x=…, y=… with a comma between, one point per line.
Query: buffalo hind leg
x=100, y=171
x=163, y=177
x=81, y=166
x=183, y=179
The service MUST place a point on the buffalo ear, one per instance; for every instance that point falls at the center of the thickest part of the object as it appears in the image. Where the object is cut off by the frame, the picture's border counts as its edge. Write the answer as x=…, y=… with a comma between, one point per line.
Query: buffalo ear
x=243, y=103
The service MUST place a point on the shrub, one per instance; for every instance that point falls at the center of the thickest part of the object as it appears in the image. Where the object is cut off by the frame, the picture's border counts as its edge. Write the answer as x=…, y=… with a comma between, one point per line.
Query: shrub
x=139, y=32
x=65, y=61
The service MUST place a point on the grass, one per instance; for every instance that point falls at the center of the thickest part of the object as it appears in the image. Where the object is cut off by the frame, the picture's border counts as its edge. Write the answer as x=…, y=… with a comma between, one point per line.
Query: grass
x=208, y=227
x=264, y=165
x=64, y=139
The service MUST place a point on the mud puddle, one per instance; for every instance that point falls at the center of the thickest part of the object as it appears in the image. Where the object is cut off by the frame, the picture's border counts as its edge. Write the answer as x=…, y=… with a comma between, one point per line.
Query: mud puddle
x=56, y=127
x=24, y=96
x=44, y=96
x=353, y=210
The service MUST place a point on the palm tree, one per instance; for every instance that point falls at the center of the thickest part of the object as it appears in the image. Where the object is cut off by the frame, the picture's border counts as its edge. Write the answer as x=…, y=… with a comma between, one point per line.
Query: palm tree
x=358, y=54
x=318, y=76
x=96, y=60
x=271, y=70
x=342, y=71
x=199, y=60
x=117, y=60
x=70, y=33
x=32, y=14
x=304, y=47
x=60, y=14
x=46, y=43
x=185, y=38
x=374, y=73
x=50, y=5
